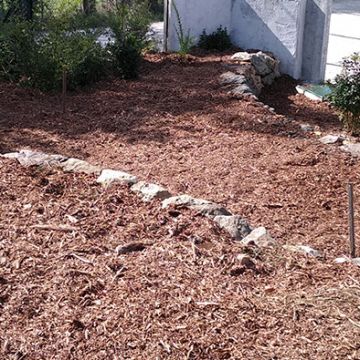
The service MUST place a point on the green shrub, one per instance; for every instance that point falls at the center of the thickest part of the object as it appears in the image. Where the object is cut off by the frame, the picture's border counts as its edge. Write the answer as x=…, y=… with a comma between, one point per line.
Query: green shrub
x=129, y=25
x=218, y=40
x=37, y=57
x=346, y=94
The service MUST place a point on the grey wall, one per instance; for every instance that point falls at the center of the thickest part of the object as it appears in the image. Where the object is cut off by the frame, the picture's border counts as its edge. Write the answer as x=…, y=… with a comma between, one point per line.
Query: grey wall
x=197, y=15
x=316, y=38
x=296, y=31
x=272, y=25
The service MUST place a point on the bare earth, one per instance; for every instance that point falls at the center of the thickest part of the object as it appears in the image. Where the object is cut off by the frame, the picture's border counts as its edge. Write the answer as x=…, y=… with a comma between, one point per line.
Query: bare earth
x=67, y=295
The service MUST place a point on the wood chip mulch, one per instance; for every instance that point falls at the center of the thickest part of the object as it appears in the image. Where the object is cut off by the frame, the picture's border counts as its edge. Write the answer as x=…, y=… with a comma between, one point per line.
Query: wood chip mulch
x=96, y=274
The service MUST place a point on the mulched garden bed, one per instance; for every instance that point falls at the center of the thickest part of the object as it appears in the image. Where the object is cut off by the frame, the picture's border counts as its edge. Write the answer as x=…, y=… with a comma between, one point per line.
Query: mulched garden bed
x=65, y=293
x=68, y=295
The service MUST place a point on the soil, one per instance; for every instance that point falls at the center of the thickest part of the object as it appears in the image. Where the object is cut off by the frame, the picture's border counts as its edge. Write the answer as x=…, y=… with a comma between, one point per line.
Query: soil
x=66, y=294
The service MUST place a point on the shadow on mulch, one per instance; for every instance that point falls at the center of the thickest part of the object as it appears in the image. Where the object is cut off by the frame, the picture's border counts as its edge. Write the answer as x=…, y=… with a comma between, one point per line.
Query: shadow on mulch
x=171, y=95
x=283, y=97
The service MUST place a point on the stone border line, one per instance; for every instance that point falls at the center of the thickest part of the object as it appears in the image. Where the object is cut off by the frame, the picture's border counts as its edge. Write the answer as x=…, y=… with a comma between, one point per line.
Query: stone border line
x=236, y=226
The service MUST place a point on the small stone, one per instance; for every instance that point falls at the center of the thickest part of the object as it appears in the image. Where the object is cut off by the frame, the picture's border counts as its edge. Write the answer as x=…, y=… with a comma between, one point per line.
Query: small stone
x=331, y=139
x=150, y=191
x=34, y=158
x=109, y=176
x=307, y=250
x=269, y=79
x=3, y=261
x=183, y=201
x=203, y=207
x=306, y=127
x=353, y=149
x=355, y=261
x=259, y=237
x=241, y=56
x=241, y=89
x=129, y=248
x=342, y=260
x=235, y=225
x=79, y=166
x=245, y=260
x=345, y=259
x=210, y=210
x=229, y=78
x=264, y=64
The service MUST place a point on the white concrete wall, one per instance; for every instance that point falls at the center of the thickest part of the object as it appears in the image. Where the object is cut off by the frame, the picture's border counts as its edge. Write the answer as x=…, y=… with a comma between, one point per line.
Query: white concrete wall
x=272, y=25
x=296, y=31
x=197, y=15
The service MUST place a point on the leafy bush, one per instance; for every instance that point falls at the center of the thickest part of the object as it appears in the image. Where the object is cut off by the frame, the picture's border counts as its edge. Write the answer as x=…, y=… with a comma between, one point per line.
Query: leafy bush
x=218, y=40
x=36, y=55
x=130, y=25
x=346, y=94
x=37, y=58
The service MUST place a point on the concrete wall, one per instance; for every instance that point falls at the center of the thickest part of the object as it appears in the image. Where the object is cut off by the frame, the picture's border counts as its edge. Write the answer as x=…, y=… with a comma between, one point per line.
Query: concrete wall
x=197, y=15
x=316, y=38
x=272, y=25
x=296, y=31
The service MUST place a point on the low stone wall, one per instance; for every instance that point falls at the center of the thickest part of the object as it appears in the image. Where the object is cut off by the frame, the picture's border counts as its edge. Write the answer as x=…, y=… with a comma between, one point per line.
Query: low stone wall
x=248, y=73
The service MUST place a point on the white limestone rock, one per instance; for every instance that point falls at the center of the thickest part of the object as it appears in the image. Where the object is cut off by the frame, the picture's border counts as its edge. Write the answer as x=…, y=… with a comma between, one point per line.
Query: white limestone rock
x=109, y=176
x=183, y=201
x=203, y=207
x=264, y=64
x=80, y=166
x=259, y=237
x=241, y=56
x=331, y=139
x=235, y=225
x=307, y=250
x=149, y=191
x=35, y=158
x=353, y=149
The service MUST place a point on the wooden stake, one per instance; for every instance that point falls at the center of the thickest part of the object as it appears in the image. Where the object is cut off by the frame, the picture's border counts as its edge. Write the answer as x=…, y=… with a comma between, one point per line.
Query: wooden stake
x=63, y=105
x=351, y=221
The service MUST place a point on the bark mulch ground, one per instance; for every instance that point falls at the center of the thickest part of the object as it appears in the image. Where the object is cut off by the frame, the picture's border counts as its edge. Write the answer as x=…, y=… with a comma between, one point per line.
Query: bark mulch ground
x=66, y=294
x=178, y=292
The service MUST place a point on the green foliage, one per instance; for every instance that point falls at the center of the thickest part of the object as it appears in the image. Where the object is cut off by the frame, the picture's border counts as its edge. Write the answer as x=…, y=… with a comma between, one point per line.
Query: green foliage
x=36, y=53
x=37, y=58
x=130, y=25
x=218, y=40
x=346, y=94
x=186, y=41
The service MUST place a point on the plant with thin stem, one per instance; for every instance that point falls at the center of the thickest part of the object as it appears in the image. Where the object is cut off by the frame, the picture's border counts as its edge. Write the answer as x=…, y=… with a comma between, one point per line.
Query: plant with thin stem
x=186, y=41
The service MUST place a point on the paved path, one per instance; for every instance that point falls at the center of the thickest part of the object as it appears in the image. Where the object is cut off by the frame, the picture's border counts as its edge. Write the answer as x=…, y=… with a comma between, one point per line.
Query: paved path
x=344, y=34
